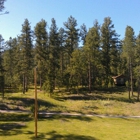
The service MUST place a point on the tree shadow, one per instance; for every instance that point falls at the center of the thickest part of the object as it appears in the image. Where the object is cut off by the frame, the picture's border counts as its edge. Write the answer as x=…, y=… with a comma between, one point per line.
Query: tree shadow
x=4, y=106
x=15, y=117
x=116, y=89
x=11, y=128
x=66, y=118
x=53, y=135
x=95, y=96
x=26, y=102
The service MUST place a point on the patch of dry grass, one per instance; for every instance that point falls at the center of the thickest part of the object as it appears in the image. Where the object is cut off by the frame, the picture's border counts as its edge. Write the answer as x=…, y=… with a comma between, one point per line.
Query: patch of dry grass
x=114, y=103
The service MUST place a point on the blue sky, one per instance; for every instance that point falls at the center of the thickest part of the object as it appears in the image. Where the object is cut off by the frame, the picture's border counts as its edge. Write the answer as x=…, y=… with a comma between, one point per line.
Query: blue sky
x=122, y=13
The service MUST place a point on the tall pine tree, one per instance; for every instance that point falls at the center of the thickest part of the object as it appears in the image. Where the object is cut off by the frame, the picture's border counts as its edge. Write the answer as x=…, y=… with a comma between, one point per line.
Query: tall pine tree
x=54, y=49
x=128, y=52
x=137, y=63
x=92, y=50
x=26, y=45
x=108, y=43
x=41, y=50
x=72, y=35
x=1, y=65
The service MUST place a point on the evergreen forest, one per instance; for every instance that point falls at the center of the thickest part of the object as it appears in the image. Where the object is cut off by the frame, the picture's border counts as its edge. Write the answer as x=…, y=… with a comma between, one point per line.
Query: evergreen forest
x=71, y=56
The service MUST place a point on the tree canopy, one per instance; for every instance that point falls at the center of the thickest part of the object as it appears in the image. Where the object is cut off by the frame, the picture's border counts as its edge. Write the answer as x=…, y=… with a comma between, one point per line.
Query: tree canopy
x=70, y=56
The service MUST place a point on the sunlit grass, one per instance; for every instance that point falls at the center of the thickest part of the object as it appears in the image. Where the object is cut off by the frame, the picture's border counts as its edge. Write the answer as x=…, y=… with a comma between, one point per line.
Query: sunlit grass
x=72, y=128
x=21, y=126
x=98, y=102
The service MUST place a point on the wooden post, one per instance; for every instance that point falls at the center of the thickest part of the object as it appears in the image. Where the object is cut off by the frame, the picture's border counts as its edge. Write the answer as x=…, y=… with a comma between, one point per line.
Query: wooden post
x=35, y=77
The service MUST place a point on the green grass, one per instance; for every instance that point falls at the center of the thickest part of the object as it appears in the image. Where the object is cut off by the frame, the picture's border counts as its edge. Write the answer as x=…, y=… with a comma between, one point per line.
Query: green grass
x=98, y=102
x=70, y=128
x=21, y=126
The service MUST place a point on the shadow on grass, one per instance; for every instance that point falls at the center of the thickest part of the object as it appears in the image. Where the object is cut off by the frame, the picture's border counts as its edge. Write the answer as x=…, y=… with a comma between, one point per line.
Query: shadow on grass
x=64, y=118
x=4, y=107
x=109, y=90
x=100, y=94
x=116, y=89
x=28, y=102
x=95, y=97
x=55, y=136
x=15, y=117
x=9, y=129
x=29, y=117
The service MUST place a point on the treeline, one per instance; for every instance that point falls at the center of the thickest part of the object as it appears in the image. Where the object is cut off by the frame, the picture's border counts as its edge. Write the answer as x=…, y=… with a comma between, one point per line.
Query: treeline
x=70, y=56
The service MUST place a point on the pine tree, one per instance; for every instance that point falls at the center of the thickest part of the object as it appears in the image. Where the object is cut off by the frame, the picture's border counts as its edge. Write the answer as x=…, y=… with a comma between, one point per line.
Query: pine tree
x=1, y=54
x=26, y=53
x=72, y=35
x=53, y=56
x=83, y=33
x=108, y=41
x=77, y=68
x=2, y=7
x=71, y=43
x=128, y=52
x=114, y=57
x=92, y=51
x=137, y=63
x=18, y=71
x=1, y=65
x=60, y=73
x=122, y=64
x=9, y=61
x=41, y=49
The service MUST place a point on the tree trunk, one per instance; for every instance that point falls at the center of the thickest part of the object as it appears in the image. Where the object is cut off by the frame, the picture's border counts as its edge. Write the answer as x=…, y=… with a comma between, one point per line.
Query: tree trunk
x=62, y=63
x=129, y=79
x=26, y=84
x=131, y=76
x=40, y=83
x=23, y=83
x=138, y=95
x=129, y=89
x=3, y=92
x=89, y=77
x=2, y=86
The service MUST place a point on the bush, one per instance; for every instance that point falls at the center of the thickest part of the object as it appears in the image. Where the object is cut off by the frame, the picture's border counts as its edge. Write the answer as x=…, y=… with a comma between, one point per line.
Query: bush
x=32, y=109
x=126, y=83
x=48, y=86
x=20, y=88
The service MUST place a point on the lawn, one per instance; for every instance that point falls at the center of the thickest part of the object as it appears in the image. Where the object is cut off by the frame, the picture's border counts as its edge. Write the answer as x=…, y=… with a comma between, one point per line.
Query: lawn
x=57, y=127
x=69, y=128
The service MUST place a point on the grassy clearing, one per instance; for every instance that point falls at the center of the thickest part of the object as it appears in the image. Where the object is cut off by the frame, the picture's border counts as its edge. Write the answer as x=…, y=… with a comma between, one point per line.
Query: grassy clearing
x=21, y=126
x=99, y=102
x=70, y=128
